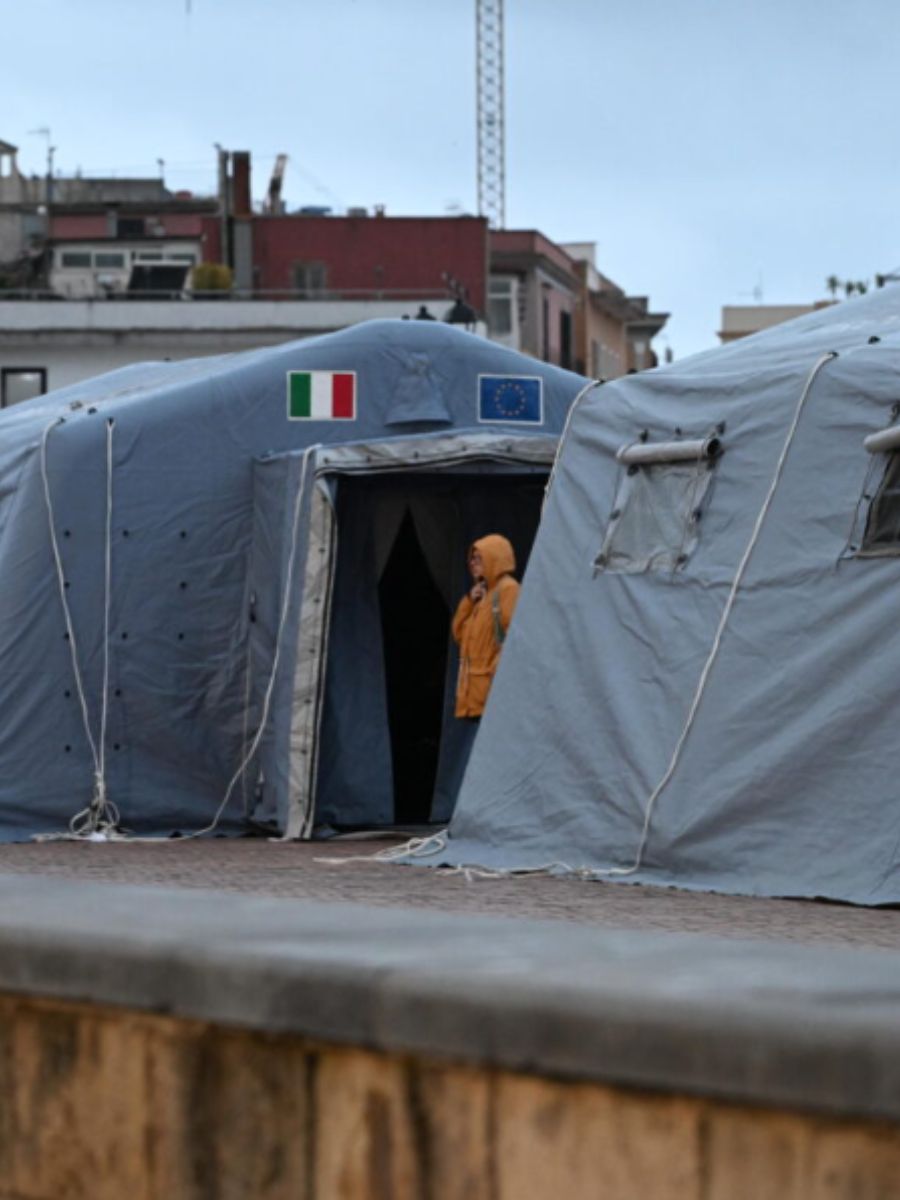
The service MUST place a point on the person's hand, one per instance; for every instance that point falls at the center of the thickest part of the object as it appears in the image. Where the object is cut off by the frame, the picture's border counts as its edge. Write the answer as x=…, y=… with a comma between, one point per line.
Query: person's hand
x=478, y=592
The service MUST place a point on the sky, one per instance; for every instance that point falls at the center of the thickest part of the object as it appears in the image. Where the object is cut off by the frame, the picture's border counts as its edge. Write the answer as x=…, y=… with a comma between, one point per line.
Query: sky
x=715, y=151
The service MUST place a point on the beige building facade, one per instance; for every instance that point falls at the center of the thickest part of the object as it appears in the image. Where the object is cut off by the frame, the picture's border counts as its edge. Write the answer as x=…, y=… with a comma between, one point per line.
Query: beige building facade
x=742, y=320
x=532, y=295
x=613, y=331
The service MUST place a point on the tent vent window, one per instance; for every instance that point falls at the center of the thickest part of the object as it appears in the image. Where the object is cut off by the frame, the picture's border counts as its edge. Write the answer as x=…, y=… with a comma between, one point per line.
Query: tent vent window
x=655, y=521
x=882, y=532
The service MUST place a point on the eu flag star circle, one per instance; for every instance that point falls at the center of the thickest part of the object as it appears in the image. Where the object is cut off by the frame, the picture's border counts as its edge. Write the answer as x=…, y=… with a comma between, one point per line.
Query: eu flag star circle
x=510, y=399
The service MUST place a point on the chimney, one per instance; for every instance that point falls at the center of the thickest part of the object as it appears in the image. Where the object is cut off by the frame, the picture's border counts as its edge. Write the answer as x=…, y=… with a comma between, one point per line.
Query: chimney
x=240, y=160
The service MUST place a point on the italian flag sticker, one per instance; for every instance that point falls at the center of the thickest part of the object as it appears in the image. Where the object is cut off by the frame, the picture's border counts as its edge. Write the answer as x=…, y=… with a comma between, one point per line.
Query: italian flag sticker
x=321, y=395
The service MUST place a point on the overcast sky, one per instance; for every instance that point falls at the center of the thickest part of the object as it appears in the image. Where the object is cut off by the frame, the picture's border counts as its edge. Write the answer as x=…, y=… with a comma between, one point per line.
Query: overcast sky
x=707, y=146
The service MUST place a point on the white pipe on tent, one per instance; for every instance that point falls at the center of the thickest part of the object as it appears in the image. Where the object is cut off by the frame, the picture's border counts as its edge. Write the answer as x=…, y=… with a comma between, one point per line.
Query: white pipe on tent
x=638, y=453
x=883, y=441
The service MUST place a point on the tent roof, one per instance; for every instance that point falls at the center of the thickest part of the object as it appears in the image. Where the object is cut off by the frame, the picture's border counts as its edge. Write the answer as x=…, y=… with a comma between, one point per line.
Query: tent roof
x=386, y=352
x=846, y=324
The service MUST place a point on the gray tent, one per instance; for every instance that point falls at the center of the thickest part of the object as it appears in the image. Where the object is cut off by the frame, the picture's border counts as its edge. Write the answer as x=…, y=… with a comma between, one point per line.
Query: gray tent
x=702, y=683
x=226, y=583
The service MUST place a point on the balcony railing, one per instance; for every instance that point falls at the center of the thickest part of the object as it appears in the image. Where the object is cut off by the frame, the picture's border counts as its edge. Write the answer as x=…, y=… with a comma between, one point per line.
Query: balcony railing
x=235, y=293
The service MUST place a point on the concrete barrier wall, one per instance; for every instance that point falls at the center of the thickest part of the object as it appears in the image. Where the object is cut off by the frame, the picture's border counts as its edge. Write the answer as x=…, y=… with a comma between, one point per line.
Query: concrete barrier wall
x=111, y=1104
x=182, y=1045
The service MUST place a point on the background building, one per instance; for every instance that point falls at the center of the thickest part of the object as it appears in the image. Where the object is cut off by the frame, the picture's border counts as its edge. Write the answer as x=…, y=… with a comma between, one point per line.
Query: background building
x=213, y=274
x=613, y=331
x=741, y=320
x=533, y=295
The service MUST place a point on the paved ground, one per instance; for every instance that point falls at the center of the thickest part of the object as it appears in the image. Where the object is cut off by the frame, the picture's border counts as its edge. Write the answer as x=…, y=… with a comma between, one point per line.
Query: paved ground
x=296, y=870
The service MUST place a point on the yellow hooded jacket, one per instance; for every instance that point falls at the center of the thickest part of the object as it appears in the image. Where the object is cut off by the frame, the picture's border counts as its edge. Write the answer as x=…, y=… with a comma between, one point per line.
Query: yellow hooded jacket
x=474, y=625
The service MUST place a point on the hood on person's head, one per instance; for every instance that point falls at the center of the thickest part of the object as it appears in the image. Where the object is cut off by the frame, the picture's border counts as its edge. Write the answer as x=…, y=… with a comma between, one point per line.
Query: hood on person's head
x=497, y=556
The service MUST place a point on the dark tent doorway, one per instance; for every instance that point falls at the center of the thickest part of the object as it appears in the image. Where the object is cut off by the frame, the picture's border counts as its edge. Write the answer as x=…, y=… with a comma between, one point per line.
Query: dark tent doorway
x=414, y=622
x=390, y=749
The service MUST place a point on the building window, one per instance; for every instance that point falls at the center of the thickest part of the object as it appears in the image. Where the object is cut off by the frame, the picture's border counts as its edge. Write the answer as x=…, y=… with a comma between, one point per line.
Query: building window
x=310, y=278
x=106, y=261
x=639, y=351
x=610, y=363
x=500, y=306
x=76, y=258
x=21, y=383
x=655, y=520
x=565, y=339
x=130, y=227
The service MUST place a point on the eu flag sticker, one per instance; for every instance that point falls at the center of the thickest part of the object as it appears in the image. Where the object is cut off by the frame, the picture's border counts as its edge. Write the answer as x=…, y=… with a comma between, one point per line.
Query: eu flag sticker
x=515, y=399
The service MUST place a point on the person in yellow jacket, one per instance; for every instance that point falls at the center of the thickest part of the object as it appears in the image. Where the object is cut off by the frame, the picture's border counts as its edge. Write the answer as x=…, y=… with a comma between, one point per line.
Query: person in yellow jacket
x=481, y=620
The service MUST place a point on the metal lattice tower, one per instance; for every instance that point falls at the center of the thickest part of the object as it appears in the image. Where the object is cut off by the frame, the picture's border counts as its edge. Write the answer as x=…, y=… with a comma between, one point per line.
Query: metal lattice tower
x=491, y=124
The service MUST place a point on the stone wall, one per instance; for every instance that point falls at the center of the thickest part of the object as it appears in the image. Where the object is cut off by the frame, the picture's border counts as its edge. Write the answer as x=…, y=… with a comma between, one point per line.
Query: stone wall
x=176, y=1044
x=102, y=1103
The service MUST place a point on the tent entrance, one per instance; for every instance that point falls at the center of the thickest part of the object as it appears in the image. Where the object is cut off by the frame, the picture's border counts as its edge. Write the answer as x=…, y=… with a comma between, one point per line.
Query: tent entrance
x=414, y=622
x=391, y=751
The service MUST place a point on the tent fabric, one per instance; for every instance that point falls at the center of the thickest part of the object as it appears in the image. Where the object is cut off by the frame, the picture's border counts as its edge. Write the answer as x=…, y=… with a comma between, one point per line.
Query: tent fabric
x=784, y=780
x=221, y=516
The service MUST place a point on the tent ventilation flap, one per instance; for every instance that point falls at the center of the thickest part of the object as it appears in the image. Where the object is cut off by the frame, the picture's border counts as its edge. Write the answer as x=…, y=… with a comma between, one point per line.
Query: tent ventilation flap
x=638, y=453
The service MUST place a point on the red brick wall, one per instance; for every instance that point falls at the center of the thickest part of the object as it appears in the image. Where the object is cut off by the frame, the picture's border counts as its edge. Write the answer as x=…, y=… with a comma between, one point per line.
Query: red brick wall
x=212, y=239
x=96, y=225
x=364, y=253
x=182, y=224
x=79, y=227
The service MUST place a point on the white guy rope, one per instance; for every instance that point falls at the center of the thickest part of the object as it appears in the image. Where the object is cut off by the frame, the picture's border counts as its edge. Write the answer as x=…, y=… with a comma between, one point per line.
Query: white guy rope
x=723, y=621
x=276, y=658
x=588, y=387
x=101, y=814
x=415, y=847
x=61, y=582
x=245, y=729
x=107, y=592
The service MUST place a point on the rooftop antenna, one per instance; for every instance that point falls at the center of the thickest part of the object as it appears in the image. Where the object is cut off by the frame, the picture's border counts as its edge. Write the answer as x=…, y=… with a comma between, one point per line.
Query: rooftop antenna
x=490, y=114
x=44, y=132
x=758, y=292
